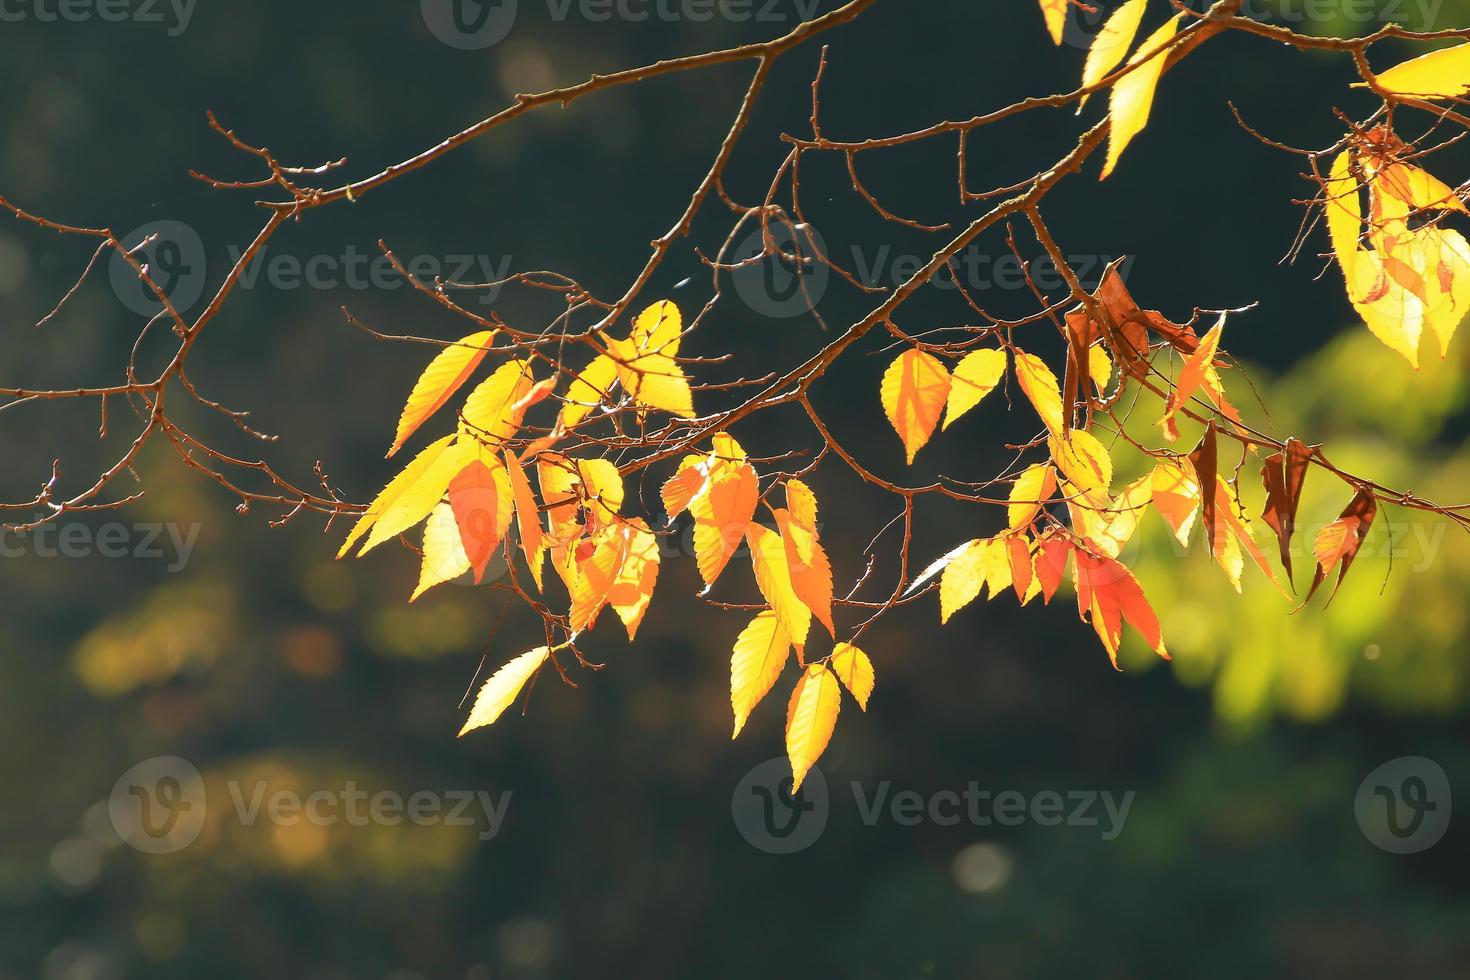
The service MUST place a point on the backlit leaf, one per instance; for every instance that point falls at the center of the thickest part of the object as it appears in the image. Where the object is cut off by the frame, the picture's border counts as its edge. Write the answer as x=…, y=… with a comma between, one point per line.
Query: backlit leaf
x=855, y=671
x=760, y=653
x=1133, y=95
x=501, y=690
x=914, y=391
x=975, y=376
x=449, y=369
x=811, y=717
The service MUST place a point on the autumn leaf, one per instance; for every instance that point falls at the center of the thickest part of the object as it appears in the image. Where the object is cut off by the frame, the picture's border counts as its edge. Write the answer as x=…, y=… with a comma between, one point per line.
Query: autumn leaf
x=646, y=363
x=855, y=671
x=419, y=498
x=632, y=589
x=1086, y=464
x=1111, y=44
x=811, y=717
x=807, y=562
x=1338, y=543
x=408, y=477
x=914, y=392
x=1040, y=386
x=773, y=577
x=975, y=376
x=491, y=413
x=528, y=518
x=962, y=579
x=1442, y=74
x=760, y=653
x=1174, y=492
x=1055, y=13
x=1133, y=94
x=450, y=369
x=1283, y=474
x=722, y=514
x=1051, y=564
x=501, y=690
x=444, y=557
x=588, y=390
x=481, y=499
x=1032, y=489
x=1113, y=597
x=1191, y=376
x=599, y=562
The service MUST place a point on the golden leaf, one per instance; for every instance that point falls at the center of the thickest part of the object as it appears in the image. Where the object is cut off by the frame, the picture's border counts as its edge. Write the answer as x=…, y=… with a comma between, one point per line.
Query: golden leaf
x=385, y=498
x=1041, y=388
x=760, y=653
x=811, y=717
x=773, y=578
x=501, y=689
x=444, y=556
x=963, y=578
x=450, y=369
x=914, y=391
x=975, y=376
x=855, y=671
x=492, y=413
x=1111, y=44
x=1442, y=74
x=1133, y=95
x=588, y=389
x=1032, y=488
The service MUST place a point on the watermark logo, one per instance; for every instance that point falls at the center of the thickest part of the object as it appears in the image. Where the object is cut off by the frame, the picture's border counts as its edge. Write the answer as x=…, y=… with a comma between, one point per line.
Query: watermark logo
x=773, y=819
x=173, y=14
x=1403, y=806
x=172, y=254
x=469, y=25
x=158, y=806
x=781, y=271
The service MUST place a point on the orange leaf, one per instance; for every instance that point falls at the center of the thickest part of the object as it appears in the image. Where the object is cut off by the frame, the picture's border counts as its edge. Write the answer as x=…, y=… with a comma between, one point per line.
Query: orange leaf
x=914, y=391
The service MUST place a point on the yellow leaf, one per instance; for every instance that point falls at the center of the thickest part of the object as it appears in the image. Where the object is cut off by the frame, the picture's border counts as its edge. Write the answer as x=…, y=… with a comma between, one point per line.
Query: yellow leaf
x=652, y=380
x=1055, y=12
x=602, y=487
x=405, y=479
x=501, y=689
x=997, y=559
x=1041, y=388
x=855, y=671
x=1442, y=74
x=528, y=518
x=1032, y=488
x=914, y=390
x=963, y=578
x=1174, y=491
x=759, y=655
x=592, y=585
x=811, y=718
x=1191, y=376
x=722, y=512
x=1086, y=464
x=451, y=368
x=1124, y=515
x=419, y=498
x=632, y=590
x=491, y=413
x=588, y=390
x=975, y=376
x=811, y=571
x=1099, y=367
x=773, y=578
x=1111, y=44
x=681, y=488
x=1133, y=95
x=444, y=556
x=658, y=329
x=1344, y=210
x=559, y=485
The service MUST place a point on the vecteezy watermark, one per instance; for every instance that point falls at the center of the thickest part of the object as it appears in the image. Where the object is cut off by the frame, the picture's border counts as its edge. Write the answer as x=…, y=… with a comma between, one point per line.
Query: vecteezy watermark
x=473, y=25
x=149, y=540
x=775, y=821
x=174, y=15
x=159, y=806
x=1084, y=21
x=172, y=255
x=784, y=269
x=1404, y=805
x=357, y=270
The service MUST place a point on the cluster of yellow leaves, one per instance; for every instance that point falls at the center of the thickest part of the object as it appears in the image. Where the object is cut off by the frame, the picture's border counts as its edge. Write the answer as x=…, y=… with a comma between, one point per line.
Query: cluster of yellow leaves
x=918, y=389
x=1133, y=94
x=1414, y=273
x=470, y=486
x=794, y=577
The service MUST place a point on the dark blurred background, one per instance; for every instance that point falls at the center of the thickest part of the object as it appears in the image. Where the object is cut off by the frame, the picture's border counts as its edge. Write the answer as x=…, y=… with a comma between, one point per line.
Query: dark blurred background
x=194, y=632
